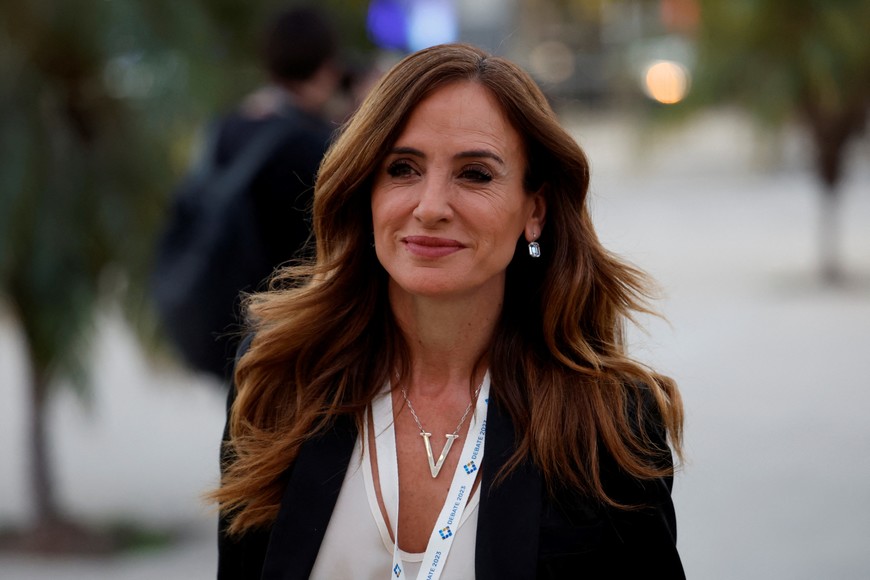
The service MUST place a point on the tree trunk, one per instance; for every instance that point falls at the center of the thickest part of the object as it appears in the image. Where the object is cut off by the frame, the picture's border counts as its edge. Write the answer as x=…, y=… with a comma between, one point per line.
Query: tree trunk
x=829, y=236
x=41, y=476
x=49, y=532
x=831, y=131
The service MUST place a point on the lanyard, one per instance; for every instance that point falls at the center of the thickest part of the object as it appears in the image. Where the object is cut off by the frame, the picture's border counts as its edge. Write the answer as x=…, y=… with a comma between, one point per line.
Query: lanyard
x=443, y=534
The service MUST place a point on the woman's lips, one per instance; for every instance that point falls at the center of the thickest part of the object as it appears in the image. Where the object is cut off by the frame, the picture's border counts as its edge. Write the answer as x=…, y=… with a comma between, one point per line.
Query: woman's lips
x=429, y=247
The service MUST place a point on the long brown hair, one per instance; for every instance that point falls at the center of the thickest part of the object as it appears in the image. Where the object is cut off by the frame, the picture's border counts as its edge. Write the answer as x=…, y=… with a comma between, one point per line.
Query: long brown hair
x=325, y=340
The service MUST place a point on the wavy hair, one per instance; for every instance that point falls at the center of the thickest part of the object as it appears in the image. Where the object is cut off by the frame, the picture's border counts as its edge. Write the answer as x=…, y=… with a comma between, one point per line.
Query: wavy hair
x=325, y=339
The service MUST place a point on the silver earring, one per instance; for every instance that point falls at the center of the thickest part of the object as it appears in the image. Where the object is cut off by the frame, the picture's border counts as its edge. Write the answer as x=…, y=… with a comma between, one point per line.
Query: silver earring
x=534, y=250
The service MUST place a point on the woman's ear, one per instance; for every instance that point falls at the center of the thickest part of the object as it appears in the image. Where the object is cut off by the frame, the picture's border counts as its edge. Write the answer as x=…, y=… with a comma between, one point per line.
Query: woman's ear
x=535, y=223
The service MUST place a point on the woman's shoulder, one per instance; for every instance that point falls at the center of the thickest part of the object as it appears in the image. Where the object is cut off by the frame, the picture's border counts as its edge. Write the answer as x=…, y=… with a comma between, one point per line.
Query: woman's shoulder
x=618, y=541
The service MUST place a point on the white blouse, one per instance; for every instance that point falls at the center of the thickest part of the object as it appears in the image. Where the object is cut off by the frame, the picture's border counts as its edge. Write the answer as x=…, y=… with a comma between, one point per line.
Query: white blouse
x=357, y=543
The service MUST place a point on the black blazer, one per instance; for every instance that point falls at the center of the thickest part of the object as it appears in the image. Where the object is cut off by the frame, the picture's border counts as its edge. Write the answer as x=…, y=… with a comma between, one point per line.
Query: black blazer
x=522, y=532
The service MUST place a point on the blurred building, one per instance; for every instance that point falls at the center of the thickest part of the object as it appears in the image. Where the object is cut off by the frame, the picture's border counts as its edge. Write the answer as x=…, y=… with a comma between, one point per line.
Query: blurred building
x=598, y=52
x=595, y=52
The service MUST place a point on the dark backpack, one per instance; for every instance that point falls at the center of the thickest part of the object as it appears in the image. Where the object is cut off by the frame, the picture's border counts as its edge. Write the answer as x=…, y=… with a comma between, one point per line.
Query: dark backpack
x=212, y=250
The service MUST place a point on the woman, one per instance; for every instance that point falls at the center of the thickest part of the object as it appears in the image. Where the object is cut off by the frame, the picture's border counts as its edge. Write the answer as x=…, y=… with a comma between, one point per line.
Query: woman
x=458, y=289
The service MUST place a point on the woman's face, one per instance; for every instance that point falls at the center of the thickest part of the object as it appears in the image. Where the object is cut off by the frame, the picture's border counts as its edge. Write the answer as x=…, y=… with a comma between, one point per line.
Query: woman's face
x=448, y=203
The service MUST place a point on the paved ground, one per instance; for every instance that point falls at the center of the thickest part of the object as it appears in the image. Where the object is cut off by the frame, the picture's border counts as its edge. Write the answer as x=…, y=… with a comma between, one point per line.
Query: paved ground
x=774, y=369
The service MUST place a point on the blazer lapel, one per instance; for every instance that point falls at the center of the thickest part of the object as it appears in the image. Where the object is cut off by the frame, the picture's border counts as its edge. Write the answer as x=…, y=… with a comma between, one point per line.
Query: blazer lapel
x=306, y=506
x=510, y=512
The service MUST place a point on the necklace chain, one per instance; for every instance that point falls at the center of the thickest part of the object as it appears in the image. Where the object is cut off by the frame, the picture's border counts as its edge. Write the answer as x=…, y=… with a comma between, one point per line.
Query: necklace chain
x=461, y=420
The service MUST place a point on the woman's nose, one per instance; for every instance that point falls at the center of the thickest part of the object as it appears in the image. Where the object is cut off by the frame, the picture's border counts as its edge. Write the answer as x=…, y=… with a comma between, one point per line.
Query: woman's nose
x=433, y=203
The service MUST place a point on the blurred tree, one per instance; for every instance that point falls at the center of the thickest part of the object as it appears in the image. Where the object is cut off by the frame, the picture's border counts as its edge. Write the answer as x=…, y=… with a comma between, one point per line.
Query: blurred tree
x=806, y=61
x=98, y=104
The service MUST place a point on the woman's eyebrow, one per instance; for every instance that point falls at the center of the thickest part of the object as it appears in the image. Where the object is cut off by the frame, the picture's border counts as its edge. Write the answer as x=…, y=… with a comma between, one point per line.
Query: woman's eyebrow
x=471, y=154
x=477, y=153
x=407, y=151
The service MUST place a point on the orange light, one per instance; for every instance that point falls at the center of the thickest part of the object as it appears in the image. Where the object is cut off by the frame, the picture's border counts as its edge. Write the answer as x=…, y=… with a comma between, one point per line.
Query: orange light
x=666, y=82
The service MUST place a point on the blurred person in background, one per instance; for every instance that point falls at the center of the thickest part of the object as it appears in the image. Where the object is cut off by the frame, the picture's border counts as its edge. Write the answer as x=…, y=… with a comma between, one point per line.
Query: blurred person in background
x=458, y=288
x=245, y=208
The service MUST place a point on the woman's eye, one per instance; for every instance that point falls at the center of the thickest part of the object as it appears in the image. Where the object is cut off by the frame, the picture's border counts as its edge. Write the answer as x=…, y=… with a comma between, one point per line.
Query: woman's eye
x=476, y=174
x=400, y=169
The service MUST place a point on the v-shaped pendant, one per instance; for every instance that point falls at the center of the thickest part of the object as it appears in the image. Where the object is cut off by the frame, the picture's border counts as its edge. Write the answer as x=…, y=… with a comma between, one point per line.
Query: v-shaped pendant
x=435, y=468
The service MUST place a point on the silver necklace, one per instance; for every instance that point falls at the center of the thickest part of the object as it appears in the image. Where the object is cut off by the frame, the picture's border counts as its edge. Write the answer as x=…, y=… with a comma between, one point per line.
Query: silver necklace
x=435, y=468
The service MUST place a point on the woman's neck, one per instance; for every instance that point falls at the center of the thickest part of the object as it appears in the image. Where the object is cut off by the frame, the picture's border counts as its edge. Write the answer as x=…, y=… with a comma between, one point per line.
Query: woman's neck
x=447, y=340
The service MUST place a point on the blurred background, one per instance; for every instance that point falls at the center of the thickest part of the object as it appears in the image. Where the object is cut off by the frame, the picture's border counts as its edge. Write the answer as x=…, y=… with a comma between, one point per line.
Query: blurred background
x=729, y=159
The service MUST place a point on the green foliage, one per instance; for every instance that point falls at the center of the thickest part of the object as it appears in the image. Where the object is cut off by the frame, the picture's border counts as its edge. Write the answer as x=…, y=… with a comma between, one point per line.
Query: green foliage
x=778, y=57
x=801, y=61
